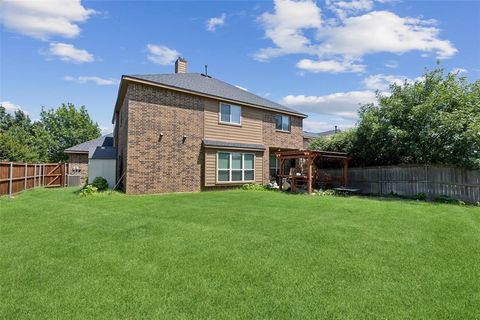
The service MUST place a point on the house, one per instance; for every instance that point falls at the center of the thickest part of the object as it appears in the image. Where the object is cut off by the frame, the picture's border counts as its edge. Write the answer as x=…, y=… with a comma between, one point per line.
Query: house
x=78, y=155
x=186, y=132
x=308, y=136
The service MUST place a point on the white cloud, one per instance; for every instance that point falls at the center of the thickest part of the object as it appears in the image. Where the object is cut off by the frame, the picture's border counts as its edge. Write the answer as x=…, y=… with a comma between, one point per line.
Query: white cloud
x=459, y=70
x=240, y=87
x=342, y=104
x=215, y=22
x=316, y=126
x=67, y=52
x=10, y=107
x=340, y=44
x=286, y=25
x=331, y=66
x=383, y=31
x=97, y=80
x=383, y=82
x=161, y=54
x=42, y=19
x=392, y=64
x=345, y=8
x=327, y=124
x=106, y=130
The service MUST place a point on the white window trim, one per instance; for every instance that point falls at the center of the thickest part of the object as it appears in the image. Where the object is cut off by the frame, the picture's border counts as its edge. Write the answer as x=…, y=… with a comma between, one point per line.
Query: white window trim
x=289, y=122
x=230, y=169
x=227, y=122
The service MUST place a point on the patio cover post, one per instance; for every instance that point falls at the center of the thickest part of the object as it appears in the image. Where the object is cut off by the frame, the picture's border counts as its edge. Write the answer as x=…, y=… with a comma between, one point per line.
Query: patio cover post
x=310, y=160
x=280, y=182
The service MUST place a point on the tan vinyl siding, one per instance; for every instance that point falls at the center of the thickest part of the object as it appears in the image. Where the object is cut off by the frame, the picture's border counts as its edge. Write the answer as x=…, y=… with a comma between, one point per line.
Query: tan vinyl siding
x=250, y=130
x=211, y=167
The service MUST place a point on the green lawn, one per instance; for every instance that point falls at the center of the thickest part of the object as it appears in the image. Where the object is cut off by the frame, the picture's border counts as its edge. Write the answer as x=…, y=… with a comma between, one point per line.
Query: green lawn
x=236, y=254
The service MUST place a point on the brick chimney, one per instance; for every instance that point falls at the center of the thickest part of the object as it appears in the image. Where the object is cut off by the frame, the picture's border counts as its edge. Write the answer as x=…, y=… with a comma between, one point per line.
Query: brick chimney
x=181, y=65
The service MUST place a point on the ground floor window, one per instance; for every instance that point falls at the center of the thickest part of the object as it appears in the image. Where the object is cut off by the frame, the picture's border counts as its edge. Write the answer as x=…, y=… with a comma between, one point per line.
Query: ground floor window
x=234, y=166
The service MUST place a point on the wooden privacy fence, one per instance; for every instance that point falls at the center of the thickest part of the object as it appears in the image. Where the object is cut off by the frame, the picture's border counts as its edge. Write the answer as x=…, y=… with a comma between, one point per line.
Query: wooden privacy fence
x=410, y=180
x=16, y=177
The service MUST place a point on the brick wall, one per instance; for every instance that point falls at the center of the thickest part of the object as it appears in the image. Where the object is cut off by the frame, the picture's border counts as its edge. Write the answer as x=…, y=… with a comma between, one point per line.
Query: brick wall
x=165, y=163
x=78, y=165
x=277, y=139
x=120, y=141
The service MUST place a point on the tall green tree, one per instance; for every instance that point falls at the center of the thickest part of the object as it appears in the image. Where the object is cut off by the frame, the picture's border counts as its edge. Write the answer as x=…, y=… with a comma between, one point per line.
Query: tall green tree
x=64, y=127
x=435, y=120
x=17, y=138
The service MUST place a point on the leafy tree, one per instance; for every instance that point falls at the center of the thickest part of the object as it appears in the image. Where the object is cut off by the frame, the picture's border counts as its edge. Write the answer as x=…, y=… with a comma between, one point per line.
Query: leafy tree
x=343, y=141
x=64, y=127
x=435, y=120
x=46, y=139
x=17, y=139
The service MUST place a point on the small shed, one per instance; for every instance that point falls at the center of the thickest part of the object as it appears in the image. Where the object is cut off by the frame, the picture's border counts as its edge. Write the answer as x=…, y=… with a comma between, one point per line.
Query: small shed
x=78, y=156
x=101, y=163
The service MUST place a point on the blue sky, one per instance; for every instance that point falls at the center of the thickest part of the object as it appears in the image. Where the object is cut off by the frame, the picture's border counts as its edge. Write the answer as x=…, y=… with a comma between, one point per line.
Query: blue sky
x=322, y=58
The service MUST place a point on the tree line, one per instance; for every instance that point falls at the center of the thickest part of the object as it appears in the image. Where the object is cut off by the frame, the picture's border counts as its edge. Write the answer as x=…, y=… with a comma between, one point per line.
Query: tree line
x=44, y=140
x=435, y=120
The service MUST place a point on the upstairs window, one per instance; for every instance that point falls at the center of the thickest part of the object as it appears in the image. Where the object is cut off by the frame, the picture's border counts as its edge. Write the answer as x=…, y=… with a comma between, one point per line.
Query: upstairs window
x=230, y=113
x=282, y=123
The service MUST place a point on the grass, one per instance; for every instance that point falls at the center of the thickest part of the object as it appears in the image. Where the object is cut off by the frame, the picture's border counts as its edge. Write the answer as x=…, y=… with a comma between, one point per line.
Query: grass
x=236, y=255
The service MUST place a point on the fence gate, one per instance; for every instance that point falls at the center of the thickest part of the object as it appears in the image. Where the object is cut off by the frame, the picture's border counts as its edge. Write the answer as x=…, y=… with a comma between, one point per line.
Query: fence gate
x=54, y=175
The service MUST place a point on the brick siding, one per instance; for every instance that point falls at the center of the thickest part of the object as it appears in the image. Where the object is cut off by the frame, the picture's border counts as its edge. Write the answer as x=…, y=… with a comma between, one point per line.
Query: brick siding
x=165, y=163
x=275, y=139
x=78, y=165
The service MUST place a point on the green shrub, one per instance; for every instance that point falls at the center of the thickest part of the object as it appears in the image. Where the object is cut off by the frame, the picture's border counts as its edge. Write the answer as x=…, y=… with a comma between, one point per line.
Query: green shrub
x=254, y=186
x=329, y=192
x=88, y=190
x=100, y=183
x=447, y=199
x=420, y=196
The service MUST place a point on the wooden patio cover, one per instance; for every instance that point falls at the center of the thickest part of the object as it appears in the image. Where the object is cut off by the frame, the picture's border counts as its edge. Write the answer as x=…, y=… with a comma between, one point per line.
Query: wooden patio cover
x=310, y=156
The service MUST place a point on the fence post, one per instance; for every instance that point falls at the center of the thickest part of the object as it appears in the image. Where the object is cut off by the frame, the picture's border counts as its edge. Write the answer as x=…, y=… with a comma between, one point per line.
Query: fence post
x=10, y=181
x=26, y=180
x=34, y=174
x=380, y=184
x=43, y=175
x=65, y=174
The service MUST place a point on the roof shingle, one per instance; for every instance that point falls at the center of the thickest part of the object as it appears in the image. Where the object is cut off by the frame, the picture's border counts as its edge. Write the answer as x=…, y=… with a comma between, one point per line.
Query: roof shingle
x=85, y=147
x=199, y=83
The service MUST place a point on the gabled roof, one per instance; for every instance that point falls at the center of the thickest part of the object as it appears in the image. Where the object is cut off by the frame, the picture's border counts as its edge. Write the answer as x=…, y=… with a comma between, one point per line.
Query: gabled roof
x=211, y=87
x=85, y=147
x=310, y=135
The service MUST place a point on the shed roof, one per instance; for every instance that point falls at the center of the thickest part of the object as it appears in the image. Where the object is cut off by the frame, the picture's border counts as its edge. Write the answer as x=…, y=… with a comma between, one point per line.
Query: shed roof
x=233, y=145
x=201, y=84
x=85, y=147
x=102, y=153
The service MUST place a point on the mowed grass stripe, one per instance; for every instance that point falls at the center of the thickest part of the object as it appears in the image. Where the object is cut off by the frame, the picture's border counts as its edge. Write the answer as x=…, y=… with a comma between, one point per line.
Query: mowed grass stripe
x=236, y=255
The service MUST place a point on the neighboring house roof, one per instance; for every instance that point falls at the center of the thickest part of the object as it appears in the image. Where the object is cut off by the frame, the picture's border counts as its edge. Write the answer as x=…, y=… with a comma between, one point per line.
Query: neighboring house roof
x=232, y=145
x=85, y=147
x=206, y=85
x=102, y=153
x=312, y=135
